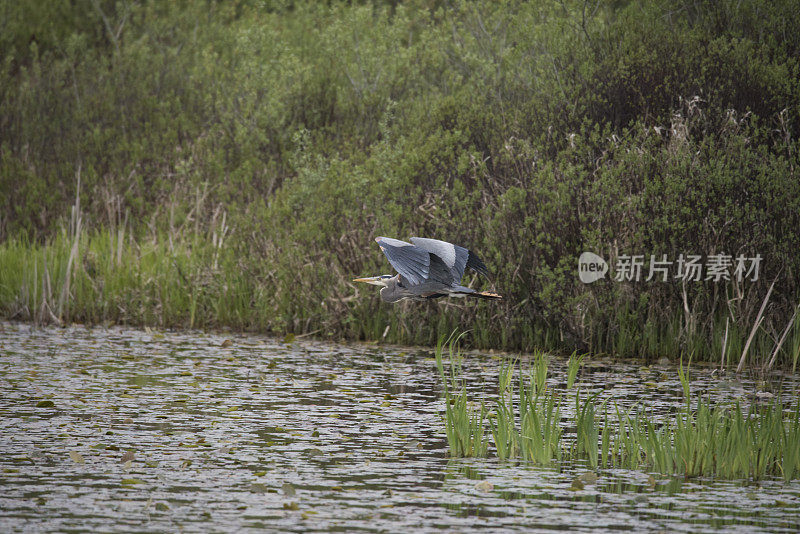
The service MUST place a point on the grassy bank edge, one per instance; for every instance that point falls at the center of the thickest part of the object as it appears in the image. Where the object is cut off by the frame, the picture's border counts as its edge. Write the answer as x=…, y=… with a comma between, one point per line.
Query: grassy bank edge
x=110, y=277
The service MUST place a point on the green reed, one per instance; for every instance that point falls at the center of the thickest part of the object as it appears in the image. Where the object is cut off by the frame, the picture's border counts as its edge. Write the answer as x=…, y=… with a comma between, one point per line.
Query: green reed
x=700, y=439
x=540, y=416
x=573, y=366
x=465, y=423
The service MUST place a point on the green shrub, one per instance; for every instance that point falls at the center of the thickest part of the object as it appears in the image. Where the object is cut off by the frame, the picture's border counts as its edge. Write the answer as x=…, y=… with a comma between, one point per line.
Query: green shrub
x=529, y=132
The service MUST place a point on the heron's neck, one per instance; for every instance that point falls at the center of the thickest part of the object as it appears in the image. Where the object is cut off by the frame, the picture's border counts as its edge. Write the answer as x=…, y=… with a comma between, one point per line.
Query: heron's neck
x=391, y=293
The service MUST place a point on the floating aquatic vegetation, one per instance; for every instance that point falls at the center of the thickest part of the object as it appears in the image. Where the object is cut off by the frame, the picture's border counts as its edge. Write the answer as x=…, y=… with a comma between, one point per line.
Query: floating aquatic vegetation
x=700, y=439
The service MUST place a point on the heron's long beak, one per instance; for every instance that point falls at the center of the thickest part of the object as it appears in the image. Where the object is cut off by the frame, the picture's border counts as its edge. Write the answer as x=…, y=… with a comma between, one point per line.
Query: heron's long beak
x=375, y=281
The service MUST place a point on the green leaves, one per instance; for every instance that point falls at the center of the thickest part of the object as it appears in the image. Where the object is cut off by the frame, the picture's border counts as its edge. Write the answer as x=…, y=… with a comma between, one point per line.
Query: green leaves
x=528, y=131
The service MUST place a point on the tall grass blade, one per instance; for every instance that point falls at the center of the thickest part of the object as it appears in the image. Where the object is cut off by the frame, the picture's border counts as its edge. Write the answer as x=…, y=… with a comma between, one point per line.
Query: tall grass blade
x=781, y=340
x=756, y=324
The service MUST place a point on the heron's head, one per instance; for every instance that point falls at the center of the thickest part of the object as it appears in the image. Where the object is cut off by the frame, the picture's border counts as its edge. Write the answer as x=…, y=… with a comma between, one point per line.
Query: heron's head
x=382, y=280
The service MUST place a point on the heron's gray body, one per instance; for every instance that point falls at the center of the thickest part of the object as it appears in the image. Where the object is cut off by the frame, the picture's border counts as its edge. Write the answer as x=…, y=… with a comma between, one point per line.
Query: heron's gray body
x=395, y=290
x=427, y=269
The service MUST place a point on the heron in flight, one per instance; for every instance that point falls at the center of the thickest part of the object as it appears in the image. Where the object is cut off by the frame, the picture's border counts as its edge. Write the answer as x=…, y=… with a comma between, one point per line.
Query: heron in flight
x=427, y=269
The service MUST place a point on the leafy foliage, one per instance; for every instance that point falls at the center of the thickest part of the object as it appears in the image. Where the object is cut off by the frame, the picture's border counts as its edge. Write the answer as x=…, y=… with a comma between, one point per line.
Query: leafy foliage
x=528, y=132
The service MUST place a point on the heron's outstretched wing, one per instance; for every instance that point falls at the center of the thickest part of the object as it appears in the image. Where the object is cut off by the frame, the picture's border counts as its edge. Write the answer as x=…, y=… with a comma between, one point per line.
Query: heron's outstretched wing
x=412, y=262
x=440, y=273
x=455, y=257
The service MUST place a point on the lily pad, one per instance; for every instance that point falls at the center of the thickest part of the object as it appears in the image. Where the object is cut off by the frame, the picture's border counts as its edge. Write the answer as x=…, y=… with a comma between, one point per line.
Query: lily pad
x=484, y=486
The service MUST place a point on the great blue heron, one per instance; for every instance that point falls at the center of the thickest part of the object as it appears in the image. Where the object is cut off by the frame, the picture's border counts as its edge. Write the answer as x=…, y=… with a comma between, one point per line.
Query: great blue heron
x=427, y=269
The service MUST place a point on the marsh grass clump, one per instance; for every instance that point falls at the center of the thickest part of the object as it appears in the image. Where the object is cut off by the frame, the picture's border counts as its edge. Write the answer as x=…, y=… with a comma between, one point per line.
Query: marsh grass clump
x=574, y=365
x=700, y=439
x=587, y=431
x=540, y=416
x=724, y=441
x=465, y=423
x=103, y=277
x=502, y=420
x=525, y=426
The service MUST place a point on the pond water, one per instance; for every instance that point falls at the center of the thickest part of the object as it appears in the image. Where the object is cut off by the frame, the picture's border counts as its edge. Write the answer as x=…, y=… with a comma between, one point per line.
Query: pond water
x=129, y=430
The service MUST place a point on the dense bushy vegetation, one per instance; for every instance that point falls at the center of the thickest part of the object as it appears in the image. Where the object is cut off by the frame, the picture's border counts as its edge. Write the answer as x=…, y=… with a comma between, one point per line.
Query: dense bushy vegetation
x=259, y=147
